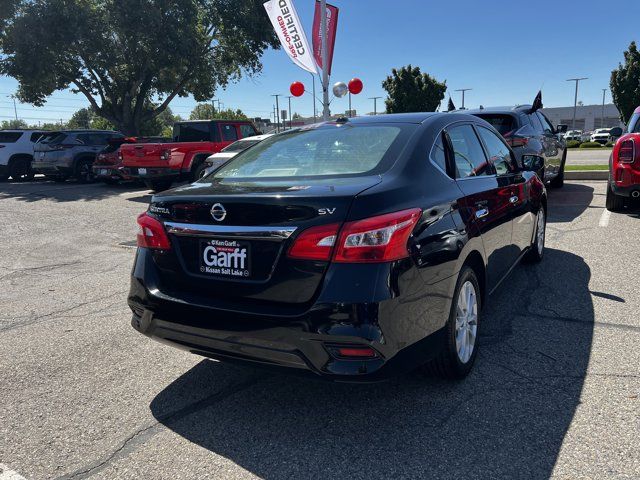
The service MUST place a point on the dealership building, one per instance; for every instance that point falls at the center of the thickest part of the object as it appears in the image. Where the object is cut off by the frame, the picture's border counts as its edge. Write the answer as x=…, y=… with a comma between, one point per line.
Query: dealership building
x=588, y=117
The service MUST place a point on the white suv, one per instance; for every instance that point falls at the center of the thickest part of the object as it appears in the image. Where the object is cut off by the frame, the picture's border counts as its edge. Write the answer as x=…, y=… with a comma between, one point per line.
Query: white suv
x=16, y=153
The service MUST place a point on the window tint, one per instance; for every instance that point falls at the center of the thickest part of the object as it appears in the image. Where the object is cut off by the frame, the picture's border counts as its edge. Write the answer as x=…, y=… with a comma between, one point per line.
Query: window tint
x=36, y=136
x=239, y=146
x=535, y=122
x=546, y=124
x=93, y=138
x=468, y=153
x=247, y=130
x=503, y=123
x=499, y=154
x=229, y=133
x=9, y=137
x=634, y=123
x=191, y=132
x=314, y=152
x=438, y=154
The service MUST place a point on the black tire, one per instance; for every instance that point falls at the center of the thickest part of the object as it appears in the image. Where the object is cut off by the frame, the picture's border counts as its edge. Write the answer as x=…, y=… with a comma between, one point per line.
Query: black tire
x=20, y=169
x=83, y=172
x=614, y=203
x=448, y=363
x=4, y=178
x=158, y=185
x=536, y=249
x=198, y=171
x=558, y=182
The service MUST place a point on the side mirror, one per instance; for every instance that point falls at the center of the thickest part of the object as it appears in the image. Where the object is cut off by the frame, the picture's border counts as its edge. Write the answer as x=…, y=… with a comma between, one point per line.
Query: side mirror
x=615, y=132
x=561, y=128
x=532, y=163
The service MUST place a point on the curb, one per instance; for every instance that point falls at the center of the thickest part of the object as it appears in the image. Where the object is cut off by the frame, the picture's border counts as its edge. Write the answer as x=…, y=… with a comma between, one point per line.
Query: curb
x=586, y=174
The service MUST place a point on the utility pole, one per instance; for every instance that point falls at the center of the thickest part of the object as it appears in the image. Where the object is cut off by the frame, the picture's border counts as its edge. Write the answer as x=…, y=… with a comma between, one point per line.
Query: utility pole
x=290, y=126
x=15, y=109
x=575, y=99
x=325, y=63
x=213, y=105
x=315, y=112
x=375, y=104
x=277, y=95
x=604, y=92
x=463, y=90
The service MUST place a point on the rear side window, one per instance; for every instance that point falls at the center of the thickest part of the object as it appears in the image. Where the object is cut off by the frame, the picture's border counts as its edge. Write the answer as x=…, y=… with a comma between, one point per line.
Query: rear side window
x=36, y=136
x=499, y=153
x=328, y=150
x=467, y=152
x=229, y=133
x=247, y=130
x=56, y=138
x=502, y=123
x=546, y=124
x=192, y=132
x=9, y=137
x=634, y=123
x=438, y=154
x=535, y=122
x=93, y=138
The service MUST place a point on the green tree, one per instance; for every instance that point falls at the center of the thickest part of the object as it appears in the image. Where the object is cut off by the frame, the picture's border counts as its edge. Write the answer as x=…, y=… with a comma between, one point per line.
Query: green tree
x=410, y=90
x=82, y=118
x=205, y=111
x=13, y=124
x=131, y=58
x=625, y=83
x=296, y=116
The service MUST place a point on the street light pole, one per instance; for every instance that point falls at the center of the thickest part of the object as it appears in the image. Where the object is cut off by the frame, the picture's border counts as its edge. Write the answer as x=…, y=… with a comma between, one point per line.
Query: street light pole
x=575, y=99
x=290, y=126
x=277, y=95
x=315, y=112
x=604, y=92
x=375, y=104
x=325, y=63
x=15, y=109
x=463, y=90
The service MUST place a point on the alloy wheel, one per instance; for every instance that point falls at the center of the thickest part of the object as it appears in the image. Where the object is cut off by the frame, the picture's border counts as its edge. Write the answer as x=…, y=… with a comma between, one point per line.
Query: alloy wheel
x=466, y=321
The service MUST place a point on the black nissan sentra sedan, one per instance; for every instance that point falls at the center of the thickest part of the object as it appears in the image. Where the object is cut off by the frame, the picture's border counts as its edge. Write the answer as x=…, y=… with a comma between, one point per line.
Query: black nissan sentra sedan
x=353, y=249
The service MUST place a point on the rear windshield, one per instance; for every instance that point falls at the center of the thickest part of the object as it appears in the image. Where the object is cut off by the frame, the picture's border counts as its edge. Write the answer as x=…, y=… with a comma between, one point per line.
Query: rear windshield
x=55, y=138
x=503, y=123
x=9, y=137
x=192, y=132
x=239, y=145
x=333, y=150
x=634, y=123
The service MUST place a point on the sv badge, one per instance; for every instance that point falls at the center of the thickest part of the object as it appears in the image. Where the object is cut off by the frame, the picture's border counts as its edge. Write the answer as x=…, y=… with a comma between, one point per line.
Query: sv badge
x=326, y=211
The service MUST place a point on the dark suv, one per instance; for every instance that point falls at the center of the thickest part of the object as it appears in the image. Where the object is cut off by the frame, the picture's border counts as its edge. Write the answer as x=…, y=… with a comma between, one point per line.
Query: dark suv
x=529, y=132
x=70, y=153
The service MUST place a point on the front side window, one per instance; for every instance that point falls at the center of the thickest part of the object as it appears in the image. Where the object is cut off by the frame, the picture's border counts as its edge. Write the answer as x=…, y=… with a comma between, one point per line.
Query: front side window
x=229, y=133
x=332, y=150
x=9, y=137
x=247, y=130
x=499, y=153
x=468, y=153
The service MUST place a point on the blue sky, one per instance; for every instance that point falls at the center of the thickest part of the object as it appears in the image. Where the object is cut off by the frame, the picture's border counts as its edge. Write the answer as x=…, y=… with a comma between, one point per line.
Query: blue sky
x=503, y=50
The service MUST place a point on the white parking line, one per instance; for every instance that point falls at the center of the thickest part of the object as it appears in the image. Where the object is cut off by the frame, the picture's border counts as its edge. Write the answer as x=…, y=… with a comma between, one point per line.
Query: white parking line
x=7, y=474
x=604, y=218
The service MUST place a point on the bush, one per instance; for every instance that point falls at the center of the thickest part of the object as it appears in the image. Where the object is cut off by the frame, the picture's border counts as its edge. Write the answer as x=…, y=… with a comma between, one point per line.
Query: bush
x=590, y=145
x=610, y=144
x=573, y=144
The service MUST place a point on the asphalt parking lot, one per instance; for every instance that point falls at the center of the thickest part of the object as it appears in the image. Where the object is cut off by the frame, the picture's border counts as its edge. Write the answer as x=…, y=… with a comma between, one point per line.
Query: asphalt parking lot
x=554, y=393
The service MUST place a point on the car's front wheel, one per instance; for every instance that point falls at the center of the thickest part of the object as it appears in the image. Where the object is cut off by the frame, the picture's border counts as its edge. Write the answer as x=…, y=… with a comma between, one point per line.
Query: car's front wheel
x=558, y=182
x=461, y=332
x=536, y=250
x=614, y=203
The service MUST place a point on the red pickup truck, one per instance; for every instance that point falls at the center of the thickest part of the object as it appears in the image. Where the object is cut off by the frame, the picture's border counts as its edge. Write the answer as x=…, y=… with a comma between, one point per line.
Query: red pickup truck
x=160, y=164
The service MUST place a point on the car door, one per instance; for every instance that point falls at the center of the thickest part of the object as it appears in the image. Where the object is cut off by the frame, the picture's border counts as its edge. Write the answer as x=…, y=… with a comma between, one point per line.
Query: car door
x=485, y=204
x=554, y=146
x=510, y=178
x=228, y=133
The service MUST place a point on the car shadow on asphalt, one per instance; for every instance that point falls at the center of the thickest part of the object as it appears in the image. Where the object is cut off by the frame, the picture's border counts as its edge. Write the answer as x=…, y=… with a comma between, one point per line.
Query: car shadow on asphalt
x=508, y=419
x=569, y=202
x=69, y=191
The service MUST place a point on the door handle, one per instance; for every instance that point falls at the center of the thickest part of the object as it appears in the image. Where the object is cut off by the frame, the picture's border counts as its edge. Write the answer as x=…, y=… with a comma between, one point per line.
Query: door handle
x=482, y=212
x=513, y=200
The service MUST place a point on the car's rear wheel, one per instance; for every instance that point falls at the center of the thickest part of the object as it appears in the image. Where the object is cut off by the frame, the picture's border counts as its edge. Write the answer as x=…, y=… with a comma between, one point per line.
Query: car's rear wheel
x=158, y=185
x=558, y=182
x=198, y=172
x=461, y=331
x=83, y=172
x=614, y=203
x=20, y=169
x=536, y=250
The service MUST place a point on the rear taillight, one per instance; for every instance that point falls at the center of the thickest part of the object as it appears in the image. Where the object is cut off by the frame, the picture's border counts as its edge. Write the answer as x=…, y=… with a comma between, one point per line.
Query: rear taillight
x=151, y=233
x=377, y=239
x=517, y=141
x=165, y=155
x=626, y=153
x=315, y=243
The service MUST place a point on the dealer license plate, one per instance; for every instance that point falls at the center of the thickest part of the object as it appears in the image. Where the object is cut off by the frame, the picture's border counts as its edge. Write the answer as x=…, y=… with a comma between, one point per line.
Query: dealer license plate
x=142, y=171
x=225, y=258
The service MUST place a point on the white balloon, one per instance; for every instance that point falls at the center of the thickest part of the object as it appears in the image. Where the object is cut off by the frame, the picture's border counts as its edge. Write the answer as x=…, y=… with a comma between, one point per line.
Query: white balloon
x=340, y=89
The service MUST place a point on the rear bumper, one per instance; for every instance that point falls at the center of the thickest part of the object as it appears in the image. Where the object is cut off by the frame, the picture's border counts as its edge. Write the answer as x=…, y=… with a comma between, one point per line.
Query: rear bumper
x=151, y=173
x=303, y=341
x=109, y=172
x=625, y=181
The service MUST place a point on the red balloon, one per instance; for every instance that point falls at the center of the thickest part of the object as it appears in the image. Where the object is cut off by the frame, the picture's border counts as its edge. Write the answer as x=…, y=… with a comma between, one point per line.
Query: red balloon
x=297, y=89
x=355, y=86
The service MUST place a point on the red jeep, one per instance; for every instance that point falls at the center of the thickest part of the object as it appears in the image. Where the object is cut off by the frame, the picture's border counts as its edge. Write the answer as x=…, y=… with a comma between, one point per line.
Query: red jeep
x=160, y=164
x=624, y=165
